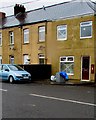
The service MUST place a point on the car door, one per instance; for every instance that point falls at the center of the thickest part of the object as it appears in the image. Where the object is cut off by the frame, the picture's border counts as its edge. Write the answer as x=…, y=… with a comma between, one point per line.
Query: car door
x=5, y=72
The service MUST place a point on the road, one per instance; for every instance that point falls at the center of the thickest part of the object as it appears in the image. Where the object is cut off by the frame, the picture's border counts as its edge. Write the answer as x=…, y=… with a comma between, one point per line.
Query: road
x=32, y=100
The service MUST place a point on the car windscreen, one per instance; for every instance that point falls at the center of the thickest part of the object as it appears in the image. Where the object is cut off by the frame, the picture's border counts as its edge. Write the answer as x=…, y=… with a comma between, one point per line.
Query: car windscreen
x=15, y=68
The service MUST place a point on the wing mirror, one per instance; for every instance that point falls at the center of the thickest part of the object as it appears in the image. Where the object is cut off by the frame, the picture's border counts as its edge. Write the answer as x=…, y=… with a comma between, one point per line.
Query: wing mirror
x=7, y=70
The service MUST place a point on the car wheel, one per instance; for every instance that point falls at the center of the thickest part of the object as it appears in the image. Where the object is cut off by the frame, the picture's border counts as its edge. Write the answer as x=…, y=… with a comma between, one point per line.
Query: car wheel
x=11, y=79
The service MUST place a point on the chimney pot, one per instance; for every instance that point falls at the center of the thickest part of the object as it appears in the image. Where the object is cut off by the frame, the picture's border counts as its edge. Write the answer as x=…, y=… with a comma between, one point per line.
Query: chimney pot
x=2, y=15
x=19, y=9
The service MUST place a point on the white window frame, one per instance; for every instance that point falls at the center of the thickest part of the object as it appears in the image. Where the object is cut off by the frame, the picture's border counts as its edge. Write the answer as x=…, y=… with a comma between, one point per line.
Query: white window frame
x=85, y=24
x=64, y=34
x=41, y=56
x=26, y=35
x=41, y=32
x=0, y=38
x=64, y=59
x=11, y=34
x=26, y=59
x=11, y=59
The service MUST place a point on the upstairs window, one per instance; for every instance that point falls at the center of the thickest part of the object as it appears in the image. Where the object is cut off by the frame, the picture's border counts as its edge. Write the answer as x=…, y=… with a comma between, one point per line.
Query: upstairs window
x=26, y=35
x=11, y=34
x=62, y=32
x=86, y=29
x=41, y=33
x=0, y=39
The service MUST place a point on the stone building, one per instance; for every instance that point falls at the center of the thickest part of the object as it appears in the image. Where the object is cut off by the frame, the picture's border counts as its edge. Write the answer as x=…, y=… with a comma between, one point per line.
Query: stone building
x=63, y=35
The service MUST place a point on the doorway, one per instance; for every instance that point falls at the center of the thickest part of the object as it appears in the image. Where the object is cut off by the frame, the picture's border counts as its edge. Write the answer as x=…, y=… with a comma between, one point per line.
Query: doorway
x=85, y=69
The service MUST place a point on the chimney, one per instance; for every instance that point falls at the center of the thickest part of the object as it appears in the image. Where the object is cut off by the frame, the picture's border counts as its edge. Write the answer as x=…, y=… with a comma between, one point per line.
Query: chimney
x=2, y=15
x=19, y=9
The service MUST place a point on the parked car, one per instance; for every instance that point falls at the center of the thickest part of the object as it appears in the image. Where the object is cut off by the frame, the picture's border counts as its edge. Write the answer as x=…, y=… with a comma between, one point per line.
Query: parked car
x=12, y=73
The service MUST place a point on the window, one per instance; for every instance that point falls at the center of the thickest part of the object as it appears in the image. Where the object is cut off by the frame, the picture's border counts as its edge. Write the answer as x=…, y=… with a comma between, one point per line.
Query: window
x=86, y=29
x=26, y=59
x=41, y=34
x=26, y=35
x=4, y=67
x=41, y=59
x=0, y=39
x=62, y=32
x=11, y=59
x=11, y=37
x=67, y=64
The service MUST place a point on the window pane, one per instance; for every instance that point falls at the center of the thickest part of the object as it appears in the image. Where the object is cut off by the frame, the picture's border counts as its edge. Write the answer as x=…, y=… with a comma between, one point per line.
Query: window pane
x=4, y=67
x=11, y=59
x=62, y=32
x=41, y=34
x=26, y=59
x=26, y=36
x=86, y=29
x=67, y=67
x=41, y=59
x=11, y=37
x=67, y=64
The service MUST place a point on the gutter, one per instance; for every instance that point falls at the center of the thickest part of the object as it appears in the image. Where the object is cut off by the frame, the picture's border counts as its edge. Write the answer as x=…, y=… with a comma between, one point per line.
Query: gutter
x=20, y=25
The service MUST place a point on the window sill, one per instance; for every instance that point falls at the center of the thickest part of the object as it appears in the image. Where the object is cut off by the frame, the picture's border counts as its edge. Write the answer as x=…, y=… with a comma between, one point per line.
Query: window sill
x=61, y=39
x=40, y=42
x=25, y=43
x=85, y=37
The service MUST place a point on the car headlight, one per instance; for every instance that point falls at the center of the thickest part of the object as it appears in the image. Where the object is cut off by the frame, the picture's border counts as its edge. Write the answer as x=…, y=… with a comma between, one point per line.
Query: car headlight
x=19, y=75
x=29, y=75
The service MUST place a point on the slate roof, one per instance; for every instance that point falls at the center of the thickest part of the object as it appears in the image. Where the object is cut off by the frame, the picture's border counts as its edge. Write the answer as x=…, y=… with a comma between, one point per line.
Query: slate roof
x=54, y=12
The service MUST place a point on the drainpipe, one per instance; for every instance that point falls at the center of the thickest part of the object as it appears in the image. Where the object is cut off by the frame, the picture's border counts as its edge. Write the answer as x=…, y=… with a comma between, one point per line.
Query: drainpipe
x=21, y=42
x=45, y=42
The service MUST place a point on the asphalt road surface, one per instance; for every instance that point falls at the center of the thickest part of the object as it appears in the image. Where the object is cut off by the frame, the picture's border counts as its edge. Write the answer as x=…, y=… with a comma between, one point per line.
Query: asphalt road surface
x=32, y=100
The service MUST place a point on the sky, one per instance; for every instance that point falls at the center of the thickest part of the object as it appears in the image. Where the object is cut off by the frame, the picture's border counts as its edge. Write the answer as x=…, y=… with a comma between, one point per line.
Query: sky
x=7, y=6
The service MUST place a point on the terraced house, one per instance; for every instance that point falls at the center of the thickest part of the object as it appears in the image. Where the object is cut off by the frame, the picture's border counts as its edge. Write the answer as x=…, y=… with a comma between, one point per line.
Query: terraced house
x=63, y=35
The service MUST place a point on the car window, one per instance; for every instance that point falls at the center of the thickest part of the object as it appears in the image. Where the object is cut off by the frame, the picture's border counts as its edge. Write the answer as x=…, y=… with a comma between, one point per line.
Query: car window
x=15, y=68
x=4, y=67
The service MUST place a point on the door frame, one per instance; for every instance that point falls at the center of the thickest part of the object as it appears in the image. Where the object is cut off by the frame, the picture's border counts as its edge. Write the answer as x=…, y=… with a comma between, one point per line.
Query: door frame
x=89, y=67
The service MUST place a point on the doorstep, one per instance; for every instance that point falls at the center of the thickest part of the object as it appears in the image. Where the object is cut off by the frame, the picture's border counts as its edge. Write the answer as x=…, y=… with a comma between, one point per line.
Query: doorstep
x=73, y=83
x=69, y=82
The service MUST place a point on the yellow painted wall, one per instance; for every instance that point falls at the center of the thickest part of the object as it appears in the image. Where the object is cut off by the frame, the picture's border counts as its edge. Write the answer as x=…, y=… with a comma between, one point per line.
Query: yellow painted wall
x=73, y=46
x=53, y=49
x=6, y=48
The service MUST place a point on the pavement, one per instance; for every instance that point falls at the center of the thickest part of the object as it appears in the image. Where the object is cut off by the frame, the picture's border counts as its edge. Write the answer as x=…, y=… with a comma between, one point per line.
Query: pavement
x=69, y=82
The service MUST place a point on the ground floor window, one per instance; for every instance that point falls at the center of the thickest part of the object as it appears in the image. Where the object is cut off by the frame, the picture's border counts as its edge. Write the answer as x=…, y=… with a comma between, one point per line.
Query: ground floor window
x=41, y=59
x=26, y=59
x=67, y=64
x=11, y=59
